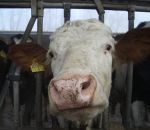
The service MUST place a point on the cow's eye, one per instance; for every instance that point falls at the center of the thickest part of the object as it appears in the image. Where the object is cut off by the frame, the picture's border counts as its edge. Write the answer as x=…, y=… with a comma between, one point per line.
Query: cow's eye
x=51, y=54
x=108, y=47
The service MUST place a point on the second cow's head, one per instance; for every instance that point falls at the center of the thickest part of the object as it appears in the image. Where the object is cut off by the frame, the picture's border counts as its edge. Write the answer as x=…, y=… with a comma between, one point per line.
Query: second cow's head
x=81, y=56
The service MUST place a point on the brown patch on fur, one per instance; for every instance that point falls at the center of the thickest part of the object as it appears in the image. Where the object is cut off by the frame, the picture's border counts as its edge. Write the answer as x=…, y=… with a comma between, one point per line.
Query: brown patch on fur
x=134, y=45
x=24, y=54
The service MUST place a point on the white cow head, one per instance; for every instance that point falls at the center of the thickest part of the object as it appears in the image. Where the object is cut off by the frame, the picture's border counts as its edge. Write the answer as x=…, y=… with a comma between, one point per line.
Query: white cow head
x=81, y=62
x=80, y=55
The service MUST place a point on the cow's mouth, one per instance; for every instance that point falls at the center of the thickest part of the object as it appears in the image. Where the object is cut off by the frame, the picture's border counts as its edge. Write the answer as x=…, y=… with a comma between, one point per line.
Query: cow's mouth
x=80, y=114
x=75, y=109
x=81, y=109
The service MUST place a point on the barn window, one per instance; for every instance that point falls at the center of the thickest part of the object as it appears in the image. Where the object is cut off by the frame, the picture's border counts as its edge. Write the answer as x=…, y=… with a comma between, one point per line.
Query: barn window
x=14, y=19
x=141, y=17
x=77, y=14
x=117, y=20
x=17, y=19
x=53, y=18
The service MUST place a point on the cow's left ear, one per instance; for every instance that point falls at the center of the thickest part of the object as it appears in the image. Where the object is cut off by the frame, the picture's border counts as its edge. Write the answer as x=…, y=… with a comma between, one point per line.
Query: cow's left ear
x=28, y=55
x=134, y=45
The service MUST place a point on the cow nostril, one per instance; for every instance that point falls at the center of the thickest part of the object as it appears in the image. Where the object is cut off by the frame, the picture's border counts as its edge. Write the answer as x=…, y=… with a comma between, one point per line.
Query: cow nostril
x=54, y=85
x=85, y=85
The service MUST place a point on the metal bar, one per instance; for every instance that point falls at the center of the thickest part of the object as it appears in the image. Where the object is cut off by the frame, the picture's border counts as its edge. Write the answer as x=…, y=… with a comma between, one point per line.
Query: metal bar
x=129, y=96
x=6, y=84
x=107, y=6
x=100, y=9
x=40, y=22
x=105, y=120
x=38, y=99
x=67, y=12
x=28, y=29
x=31, y=22
x=39, y=75
x=4, y=92
x=100, y=125
x=101, y=17
x=33, y=8
x=129, y=78
x=16, y=99
x=131, y=17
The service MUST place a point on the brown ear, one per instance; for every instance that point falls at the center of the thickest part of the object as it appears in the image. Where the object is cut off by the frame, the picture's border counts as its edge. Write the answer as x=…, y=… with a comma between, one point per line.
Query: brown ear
x=25, y=54
x=134, y=45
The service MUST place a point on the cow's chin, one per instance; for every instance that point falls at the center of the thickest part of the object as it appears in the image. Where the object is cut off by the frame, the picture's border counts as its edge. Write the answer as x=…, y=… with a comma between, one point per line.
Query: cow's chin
x=78, y=114
x=81, y=114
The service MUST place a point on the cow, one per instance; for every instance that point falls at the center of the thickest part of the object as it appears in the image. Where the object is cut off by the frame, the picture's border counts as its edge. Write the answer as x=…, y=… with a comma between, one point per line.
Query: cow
x=27, y=89
x=26, y=82
x=3, y=69
x=27, y=86
x=82, y=55
x=3, y=62
x=141, y=89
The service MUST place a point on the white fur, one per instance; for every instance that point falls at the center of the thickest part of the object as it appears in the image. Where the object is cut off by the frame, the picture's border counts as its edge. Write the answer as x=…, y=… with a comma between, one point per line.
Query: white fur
x=79, y=47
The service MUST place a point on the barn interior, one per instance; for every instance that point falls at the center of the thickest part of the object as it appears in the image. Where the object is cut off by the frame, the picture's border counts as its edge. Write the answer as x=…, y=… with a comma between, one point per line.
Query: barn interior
x=104, y=121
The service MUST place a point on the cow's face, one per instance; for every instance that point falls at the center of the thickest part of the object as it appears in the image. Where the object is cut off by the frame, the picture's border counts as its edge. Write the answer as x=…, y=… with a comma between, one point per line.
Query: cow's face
x=81, y=62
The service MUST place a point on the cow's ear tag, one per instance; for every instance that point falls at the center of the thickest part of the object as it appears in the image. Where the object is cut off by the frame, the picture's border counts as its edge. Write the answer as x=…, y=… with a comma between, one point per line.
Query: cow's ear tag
x=3, y=54
x=36, y=67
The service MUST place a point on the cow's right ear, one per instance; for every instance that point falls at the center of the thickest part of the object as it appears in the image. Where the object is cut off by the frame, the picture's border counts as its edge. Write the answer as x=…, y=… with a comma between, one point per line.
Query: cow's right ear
x=25, y=55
